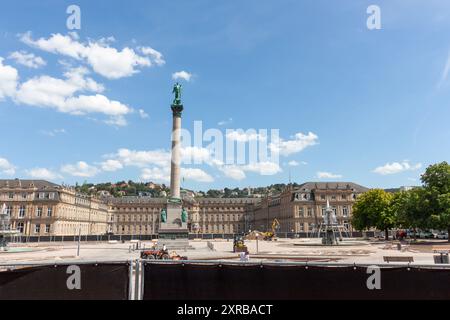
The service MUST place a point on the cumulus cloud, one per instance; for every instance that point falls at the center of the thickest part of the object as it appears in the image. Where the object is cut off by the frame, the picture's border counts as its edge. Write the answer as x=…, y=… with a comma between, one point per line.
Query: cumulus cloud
x=396, y=167
x=143, y=114
x=60, y=94
x=6, y=168
x=299, y=143
x=233, y=172
x=198, y=155
x=244, y=136
x=196, y=174
x=328, y=175
x=155, y=174
x=111, y=165
x=238, y=172
x=27, y=59
x=104, y=59
x=160, y=158
x=42, y=173
x=182, y=75
x=9, y=78
x=225, y=122
x=80, y=169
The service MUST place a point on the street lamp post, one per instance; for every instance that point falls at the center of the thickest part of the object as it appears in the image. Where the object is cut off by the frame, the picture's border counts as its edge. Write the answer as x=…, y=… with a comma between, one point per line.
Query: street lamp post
x=79, y=238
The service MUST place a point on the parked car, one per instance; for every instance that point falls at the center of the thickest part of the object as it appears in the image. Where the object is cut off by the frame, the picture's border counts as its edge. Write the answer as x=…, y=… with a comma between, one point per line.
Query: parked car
x=442, y=235
x=425, y=235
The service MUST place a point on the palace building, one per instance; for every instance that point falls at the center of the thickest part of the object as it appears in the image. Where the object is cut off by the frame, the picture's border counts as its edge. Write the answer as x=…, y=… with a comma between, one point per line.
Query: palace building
x=301, y=210
x=41, y=208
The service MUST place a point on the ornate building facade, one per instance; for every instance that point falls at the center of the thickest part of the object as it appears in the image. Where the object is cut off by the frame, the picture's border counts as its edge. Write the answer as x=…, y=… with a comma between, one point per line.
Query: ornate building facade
x=41, y=208
x=301, y=210
x=140, y=215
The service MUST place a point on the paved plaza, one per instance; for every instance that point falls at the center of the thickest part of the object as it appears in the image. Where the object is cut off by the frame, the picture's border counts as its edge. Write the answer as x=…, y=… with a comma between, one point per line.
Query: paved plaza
x=283, y=250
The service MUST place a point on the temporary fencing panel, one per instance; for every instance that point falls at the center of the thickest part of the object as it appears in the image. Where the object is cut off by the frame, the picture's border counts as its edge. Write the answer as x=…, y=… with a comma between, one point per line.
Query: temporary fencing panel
x=193, y=281
x=105, y=281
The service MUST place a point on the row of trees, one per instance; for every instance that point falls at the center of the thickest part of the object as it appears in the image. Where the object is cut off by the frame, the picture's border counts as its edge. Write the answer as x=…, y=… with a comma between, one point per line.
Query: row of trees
x=425, y=207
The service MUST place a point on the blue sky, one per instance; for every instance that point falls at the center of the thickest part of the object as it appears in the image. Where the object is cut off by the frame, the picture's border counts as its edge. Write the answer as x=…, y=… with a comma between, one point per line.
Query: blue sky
x=351, y=104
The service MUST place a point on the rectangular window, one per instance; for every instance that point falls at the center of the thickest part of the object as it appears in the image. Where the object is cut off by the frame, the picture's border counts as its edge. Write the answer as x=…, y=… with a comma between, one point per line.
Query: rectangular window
x=8, y=210
x=20, y=227
x=22, y=211
x=47, y=228
x=39, y=212
x=11, y=195
x=37, y=228
x=49, y=211
x=345, y=211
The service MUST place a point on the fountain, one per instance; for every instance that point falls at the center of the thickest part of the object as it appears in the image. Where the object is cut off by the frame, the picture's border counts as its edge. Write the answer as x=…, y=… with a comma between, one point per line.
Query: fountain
x=330, y=229
x=5, y=229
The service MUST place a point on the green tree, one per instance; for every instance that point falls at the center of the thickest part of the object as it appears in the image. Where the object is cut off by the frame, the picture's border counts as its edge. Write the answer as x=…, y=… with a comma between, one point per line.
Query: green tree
x=373, y=210
x=436, y=181
x=410, y=209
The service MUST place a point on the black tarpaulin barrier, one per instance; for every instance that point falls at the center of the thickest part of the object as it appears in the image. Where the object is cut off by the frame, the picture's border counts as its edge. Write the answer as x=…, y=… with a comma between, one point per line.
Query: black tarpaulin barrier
x=105, y=281
x=281, y=282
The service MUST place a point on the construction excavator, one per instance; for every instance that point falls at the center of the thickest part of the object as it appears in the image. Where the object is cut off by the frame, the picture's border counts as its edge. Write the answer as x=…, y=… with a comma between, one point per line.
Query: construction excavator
x=271, y=235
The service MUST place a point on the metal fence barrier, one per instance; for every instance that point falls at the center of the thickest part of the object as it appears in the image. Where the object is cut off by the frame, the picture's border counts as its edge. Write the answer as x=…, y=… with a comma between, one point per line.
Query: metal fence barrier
x=149, y=237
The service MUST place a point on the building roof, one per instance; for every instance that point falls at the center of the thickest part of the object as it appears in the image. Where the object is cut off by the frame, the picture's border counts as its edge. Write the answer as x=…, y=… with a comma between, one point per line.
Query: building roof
x=227, y=200
x=332, y=186
x=19, y=183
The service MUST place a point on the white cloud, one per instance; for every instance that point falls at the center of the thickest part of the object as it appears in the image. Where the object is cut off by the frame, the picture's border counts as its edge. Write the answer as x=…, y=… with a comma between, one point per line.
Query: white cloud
x=155, y=174
x=265, y=168
x=182, y=75
x=6, y=167
x=238, y=172
x=328, y=175
x=155, y=55
x=244, y=136
x=27, y=59
x=160, y=158
x=234, y=172
x=293, y=163
x=396, y=167
x=143, y=114
x=225, y=122
x=198, y=155
x=43, y=173
x=298, y=144
x=54, y=132
x=196, y=175
x=59, y=94
x=111, y=165
x=8, y=80
x=104, y=59
x=80, y=169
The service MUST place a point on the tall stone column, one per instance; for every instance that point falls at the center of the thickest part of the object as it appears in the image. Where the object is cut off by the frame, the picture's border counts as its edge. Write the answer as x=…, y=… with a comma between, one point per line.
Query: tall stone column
x=176, y=157
x=173, y=229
